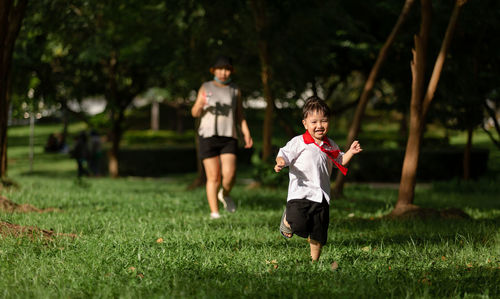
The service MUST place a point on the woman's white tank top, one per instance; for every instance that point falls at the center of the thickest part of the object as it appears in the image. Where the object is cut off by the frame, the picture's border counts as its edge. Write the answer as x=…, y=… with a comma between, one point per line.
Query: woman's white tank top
x=218, y=116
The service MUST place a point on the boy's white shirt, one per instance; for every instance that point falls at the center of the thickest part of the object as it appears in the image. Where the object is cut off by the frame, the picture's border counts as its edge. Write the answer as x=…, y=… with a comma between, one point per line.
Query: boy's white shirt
x=310, y=169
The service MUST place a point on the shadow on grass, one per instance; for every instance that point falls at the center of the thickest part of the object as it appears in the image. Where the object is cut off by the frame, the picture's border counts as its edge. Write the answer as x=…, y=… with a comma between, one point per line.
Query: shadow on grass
x=51, y=173
x=285, y=279
x=23, y=141
x=361, y=232
x=268, y=201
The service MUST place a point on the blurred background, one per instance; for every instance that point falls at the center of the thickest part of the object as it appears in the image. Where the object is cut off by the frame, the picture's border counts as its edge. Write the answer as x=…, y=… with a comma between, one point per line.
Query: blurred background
x=128, y=72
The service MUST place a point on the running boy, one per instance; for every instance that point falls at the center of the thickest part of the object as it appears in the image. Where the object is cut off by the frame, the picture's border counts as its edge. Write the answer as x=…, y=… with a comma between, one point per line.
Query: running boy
x=311, y=157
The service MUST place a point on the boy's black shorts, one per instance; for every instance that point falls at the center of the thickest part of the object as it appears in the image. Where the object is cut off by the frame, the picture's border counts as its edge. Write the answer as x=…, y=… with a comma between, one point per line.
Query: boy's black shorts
x=217, y=145
x=309, y=219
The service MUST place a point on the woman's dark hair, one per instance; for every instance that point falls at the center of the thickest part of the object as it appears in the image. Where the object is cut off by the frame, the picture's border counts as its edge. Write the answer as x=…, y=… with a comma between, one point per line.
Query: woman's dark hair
x=222, y=61
x=315, y=103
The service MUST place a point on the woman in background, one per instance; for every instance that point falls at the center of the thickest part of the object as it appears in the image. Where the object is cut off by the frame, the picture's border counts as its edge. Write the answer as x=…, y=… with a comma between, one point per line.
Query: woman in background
x=220, y=108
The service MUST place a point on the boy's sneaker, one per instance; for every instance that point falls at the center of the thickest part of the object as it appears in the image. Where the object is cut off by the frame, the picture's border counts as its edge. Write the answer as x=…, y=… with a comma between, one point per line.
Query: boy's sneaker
x=226, y=201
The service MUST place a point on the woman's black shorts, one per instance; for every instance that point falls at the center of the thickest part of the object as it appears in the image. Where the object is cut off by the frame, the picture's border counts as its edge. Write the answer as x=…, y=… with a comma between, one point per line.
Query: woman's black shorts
x=309, y=219
x=217, y=145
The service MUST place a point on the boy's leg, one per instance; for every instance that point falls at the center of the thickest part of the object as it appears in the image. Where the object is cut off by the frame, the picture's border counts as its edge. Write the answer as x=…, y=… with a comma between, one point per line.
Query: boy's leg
x=287, y=225
x=315, y=249
x=319, y=235
x=296, y=216
x=212, y=170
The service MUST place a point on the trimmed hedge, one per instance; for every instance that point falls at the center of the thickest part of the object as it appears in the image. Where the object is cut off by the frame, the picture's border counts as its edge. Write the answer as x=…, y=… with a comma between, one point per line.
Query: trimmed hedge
x=160, y=162
x=383, y=165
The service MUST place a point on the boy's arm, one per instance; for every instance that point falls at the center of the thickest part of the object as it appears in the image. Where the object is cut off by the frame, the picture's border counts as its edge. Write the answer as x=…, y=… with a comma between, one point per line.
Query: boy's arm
x=353, y=150
x=287, y=154
x=280, y=163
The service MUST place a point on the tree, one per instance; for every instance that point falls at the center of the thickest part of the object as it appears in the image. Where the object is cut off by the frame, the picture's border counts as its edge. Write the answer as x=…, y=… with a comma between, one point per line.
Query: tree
x=491, y=106
x=40, y=57
x=370, y=82
x=463, y=95
x=421, y=99
x=261, y=27
x=11, y=16
x=114, y=52
x=305, y=43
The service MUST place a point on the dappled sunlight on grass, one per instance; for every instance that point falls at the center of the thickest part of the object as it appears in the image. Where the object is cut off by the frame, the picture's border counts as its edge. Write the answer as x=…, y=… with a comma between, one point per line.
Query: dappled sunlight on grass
x=151, y=237
x=119, y=223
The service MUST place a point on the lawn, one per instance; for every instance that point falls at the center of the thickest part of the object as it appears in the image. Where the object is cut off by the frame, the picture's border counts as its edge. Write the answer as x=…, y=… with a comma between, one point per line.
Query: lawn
x=143, y=237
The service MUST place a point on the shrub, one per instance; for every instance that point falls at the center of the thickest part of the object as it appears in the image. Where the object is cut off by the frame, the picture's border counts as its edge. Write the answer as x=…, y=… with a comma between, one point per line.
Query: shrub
x=263, y=172
x=385, y=165
x=165, y=160
x=142, y=137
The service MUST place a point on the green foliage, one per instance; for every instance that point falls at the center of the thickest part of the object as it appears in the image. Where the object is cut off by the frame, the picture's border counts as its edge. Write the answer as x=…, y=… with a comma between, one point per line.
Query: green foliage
x=163, y=137
x=84, y=48
x=100, y=122
x=263, y=173
x=462, y=94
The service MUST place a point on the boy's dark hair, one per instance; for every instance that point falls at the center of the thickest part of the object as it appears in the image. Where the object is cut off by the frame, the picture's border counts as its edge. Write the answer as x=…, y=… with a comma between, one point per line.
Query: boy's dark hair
x=315, y=103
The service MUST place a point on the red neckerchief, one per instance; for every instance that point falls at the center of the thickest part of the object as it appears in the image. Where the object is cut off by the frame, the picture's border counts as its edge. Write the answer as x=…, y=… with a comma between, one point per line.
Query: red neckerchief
x=331, y=153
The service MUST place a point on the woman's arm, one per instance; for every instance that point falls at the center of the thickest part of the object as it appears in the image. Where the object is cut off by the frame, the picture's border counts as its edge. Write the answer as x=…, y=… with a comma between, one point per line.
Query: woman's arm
x=201, y=101
x=243, y=123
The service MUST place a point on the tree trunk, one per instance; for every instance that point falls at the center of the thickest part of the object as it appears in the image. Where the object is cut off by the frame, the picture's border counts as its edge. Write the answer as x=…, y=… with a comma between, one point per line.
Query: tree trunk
x=438, y=65
x=4, y=111
x=261, y=25
x=65, y=122
x=467, y=154
x=268, y=120
x=155, y=116
x=11, y=16
x=201, y=179
x=118, y=101
x=116, y=136
x=420, y=103
x=179, y=114
x=338, y=189
x=117, y=114
x=410, y=162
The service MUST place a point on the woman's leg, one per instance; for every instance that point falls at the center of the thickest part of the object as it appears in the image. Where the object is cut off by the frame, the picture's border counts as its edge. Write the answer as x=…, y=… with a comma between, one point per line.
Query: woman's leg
x=228, y=162
x=212, y=170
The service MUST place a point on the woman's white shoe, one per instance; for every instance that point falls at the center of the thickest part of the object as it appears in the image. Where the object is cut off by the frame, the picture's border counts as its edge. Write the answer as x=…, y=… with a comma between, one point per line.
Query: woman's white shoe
x=226, y=201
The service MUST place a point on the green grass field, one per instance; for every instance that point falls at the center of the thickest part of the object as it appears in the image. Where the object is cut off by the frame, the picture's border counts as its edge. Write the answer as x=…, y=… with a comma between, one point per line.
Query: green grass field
x=140, y=237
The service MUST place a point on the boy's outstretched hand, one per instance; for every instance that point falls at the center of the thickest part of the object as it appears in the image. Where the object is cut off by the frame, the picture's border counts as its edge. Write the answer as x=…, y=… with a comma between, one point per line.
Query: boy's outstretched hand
x=355, y=147
x=353, y=150
x=280, y=163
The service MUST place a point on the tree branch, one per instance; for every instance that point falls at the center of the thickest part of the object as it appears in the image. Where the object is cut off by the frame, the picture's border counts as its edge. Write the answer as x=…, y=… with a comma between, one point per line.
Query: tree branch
x=496, y=142
x=438, y=66
x=492, y=114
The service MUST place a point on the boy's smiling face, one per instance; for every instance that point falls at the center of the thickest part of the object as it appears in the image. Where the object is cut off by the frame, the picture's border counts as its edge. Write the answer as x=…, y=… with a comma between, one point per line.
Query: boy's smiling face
x=316, y=123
